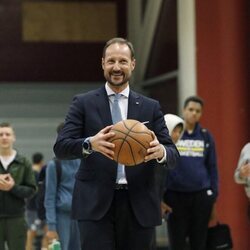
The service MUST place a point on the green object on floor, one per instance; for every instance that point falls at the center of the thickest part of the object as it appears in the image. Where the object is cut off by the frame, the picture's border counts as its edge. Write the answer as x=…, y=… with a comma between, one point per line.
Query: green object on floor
x=55, y=245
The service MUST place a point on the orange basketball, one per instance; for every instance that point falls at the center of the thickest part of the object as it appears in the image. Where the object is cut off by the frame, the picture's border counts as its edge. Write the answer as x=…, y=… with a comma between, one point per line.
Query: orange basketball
x=131, y=141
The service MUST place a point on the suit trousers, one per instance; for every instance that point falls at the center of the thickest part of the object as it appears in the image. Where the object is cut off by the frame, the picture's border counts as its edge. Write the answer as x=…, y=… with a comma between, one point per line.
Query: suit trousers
x=189, y=219
x=117, y=230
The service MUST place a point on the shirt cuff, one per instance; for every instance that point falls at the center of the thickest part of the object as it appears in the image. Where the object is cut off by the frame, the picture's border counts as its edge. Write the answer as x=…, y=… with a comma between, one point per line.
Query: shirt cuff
x=164, y=158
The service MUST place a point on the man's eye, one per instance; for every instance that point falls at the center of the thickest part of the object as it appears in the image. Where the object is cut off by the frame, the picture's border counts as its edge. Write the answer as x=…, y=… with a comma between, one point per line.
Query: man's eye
x=124, y=62
x=110, y=62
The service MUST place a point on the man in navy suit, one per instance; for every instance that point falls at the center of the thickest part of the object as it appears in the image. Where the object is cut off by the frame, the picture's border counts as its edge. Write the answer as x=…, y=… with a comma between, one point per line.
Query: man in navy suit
x=117, y=207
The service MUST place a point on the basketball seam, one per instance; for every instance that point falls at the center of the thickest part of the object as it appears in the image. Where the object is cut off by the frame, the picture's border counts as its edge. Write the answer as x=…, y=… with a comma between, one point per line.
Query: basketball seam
x=131, y=151
x=126, y=135
x=129, y=129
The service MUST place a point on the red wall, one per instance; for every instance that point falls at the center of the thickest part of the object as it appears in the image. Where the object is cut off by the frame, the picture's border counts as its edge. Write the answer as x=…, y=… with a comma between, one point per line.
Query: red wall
x=222, y=65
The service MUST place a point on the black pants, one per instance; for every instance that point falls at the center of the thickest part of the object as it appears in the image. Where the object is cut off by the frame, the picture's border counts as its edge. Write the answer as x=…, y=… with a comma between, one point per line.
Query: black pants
x=13, y=232
x=117, y=230
x=189, y=219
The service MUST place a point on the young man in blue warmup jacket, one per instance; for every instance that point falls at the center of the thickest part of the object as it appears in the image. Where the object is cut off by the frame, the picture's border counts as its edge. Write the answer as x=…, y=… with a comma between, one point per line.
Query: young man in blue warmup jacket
x=58, y=200
x=192, y=187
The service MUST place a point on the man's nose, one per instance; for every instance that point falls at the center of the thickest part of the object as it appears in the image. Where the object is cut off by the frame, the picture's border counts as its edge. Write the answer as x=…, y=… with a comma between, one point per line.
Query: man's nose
x=117, y=66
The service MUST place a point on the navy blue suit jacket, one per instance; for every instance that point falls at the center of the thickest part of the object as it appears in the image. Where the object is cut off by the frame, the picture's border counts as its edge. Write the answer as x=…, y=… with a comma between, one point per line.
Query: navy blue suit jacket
x=95, y=180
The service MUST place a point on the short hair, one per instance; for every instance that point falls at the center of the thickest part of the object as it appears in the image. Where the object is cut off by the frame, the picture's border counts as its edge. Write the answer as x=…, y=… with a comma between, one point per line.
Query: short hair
x=5, y=124
x=37, y=158
x=194, y=99
x=120, y=41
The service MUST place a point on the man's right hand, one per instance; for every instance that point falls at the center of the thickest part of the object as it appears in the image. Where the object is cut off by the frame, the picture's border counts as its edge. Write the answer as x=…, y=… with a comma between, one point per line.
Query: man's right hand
x=100, y=143
x=51, y=235
x=165, y=208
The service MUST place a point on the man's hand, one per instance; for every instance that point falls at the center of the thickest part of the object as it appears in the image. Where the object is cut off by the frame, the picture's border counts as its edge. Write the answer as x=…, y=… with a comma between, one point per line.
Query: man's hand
x=213, y=216
x=156, y=150
x=100, y=143
x=245, y=170
x=165, y=208
x=213, y=220
x=51, y=235
x=6, y=182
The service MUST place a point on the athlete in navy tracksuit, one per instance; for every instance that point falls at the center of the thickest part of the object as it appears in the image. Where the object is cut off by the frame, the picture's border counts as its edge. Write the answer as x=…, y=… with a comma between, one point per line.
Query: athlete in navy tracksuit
x=192, y=186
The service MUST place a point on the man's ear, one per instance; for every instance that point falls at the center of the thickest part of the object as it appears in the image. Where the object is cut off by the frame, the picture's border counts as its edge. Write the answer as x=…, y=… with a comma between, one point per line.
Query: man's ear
x=102, y=63
x=133, y=64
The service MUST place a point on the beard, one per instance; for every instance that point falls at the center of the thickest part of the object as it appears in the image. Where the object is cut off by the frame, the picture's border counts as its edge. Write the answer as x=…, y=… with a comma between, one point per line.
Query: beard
x=115, y=83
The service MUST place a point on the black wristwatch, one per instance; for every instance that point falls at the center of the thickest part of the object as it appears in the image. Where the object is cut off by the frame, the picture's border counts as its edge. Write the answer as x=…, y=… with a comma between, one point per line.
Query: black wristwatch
x=86, y=147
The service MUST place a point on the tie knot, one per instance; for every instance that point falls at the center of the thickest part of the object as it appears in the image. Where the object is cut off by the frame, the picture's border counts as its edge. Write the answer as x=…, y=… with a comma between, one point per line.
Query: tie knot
x=117, y=96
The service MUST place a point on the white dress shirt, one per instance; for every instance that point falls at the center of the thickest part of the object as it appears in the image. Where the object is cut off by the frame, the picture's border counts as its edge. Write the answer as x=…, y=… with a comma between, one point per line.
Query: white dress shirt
x=123, y=104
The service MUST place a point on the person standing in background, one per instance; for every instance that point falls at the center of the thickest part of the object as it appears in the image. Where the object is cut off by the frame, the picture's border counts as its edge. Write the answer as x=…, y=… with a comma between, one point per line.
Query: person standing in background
x=117, y=207
x=242, y=172
x=175, y=125
x=17, y=183
x=34, y=224
x=192, y=187
x=58, y=200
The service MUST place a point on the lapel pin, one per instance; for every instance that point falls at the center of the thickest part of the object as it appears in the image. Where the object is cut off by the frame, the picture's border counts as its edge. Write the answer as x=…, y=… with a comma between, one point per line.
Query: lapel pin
x=137, y=103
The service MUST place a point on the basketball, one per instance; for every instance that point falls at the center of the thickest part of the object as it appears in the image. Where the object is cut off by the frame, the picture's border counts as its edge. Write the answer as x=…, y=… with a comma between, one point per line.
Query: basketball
x=131, y=141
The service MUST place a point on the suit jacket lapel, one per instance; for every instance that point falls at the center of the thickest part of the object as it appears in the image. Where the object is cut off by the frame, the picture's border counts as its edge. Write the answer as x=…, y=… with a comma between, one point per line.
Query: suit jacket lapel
x=103, y=107
x=102, y=102
x=134, y=105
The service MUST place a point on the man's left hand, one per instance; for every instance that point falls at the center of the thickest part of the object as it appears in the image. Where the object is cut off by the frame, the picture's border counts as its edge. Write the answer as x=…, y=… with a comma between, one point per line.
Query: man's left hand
x=156, y=150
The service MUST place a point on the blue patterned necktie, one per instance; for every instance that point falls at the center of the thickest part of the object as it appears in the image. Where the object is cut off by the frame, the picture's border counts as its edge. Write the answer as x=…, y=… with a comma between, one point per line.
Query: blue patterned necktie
x=116, y=117
x=116, y=111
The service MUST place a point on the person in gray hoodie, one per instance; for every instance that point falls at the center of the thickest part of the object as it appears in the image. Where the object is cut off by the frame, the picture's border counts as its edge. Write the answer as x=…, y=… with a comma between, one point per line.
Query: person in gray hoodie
x=175, y=125
x=242, y=172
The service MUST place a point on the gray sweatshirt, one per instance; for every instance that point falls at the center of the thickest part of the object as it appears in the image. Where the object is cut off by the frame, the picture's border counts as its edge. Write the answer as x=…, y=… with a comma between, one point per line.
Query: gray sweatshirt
x=244, y=157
